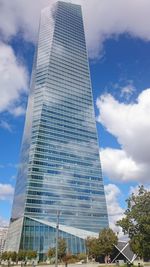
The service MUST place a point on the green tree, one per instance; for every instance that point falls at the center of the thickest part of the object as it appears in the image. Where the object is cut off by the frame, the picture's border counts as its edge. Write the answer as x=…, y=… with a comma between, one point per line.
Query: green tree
x=69, y=258
x=31, y=254
x=62, y=246
x=81, y=256
x=103, y=245
x=106, y=241
x=136, y=222
x=7, y=255
x=13, y=256
x=4, y=256
x=51, y=253
x=22, y=255
x=92, y=247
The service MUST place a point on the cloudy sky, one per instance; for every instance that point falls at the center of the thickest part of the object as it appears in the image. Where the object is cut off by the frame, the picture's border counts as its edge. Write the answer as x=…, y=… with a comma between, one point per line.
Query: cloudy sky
x=118, y=41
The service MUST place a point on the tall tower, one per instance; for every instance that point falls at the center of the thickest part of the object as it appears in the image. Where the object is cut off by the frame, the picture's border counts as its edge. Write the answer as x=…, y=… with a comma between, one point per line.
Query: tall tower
x=60, y=167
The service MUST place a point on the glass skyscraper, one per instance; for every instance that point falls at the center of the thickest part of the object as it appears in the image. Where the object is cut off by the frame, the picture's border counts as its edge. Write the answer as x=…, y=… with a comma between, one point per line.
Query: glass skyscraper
x=60, y=168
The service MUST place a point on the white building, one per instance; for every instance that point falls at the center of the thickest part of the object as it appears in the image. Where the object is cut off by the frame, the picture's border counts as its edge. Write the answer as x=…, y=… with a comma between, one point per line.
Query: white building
x=3, y=234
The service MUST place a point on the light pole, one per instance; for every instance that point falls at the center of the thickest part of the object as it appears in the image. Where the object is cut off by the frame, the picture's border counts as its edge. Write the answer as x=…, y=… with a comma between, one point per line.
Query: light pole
x=57, y=232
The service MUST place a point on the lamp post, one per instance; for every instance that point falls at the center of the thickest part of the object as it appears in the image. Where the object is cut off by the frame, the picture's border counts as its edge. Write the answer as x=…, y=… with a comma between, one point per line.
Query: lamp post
x=57, y=232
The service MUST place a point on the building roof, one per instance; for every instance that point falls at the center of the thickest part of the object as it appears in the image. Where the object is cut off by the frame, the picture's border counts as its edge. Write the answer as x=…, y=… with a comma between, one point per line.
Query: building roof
x=68, y=229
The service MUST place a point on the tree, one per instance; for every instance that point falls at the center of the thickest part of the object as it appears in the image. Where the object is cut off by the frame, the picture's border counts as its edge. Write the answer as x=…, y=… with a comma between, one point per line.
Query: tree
x=31, y=254
x=14, y=256
x=92, y=247
x=106, y=241
x=4, y=255
x=103, y=245
x=51, y=253
x=69, y=258
x=7, y=255
x=82, y=256
x=136, y=222
x=22, y=255
x=62, y=246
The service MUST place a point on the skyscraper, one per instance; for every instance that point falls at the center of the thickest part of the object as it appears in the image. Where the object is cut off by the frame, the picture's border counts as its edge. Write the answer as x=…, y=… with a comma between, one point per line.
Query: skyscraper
x=60, y=167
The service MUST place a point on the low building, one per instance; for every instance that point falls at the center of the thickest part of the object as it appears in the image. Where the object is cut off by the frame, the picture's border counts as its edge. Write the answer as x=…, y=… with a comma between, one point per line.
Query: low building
x=3, y=234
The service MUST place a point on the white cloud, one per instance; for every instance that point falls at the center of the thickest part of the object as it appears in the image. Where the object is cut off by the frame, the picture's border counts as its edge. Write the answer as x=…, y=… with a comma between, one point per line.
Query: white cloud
x=17, y=111
x=130, y=124
x=115, y=211
x=117, y=165
x=21, y=16
x=127, y=91
x=103, y=19
x=5, y=125
x=13, y=80
x=6, y=192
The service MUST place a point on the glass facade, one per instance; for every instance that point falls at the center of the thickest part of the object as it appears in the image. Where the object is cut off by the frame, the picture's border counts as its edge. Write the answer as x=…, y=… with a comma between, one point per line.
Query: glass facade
x=40, y=235
x=60, y=167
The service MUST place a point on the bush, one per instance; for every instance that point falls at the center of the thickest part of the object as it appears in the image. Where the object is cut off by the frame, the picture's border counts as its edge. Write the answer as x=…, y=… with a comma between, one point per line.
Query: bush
x=81, y=256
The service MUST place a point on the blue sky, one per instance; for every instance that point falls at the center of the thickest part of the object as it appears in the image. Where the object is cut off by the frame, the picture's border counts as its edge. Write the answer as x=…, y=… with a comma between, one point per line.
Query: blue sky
x=119, y=49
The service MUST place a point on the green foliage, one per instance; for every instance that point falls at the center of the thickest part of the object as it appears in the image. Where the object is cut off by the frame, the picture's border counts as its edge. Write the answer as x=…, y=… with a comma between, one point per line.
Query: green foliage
x=14, y=256
x=69, y=258
x=136, y=222
x=81, y=256
x=106, y=241
x=61, y=250
x=62, y=246
x=103, y=245
x=51, y=253
x=7, y=255
x=4, y=256
x=31, y=254
x=22, y=255
x=92, y=247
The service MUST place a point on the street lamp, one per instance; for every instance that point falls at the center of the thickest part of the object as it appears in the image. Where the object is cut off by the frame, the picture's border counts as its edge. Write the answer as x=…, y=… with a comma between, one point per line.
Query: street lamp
x=57, y=232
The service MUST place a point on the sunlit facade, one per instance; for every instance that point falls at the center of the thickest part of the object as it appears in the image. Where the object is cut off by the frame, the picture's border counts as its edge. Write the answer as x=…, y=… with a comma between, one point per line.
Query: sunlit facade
x=60, y=167
x=3, y=234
